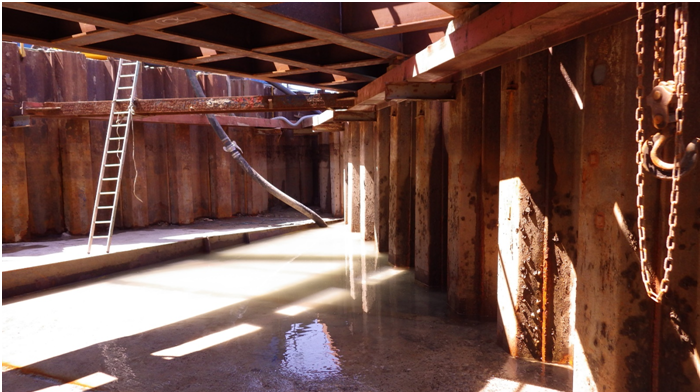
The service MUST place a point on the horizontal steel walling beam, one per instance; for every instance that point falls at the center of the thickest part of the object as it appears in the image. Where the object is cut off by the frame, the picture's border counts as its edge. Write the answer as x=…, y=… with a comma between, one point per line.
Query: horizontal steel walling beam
x=504, y=33
x=273, y=103
x=419, y=91
x=226, y=121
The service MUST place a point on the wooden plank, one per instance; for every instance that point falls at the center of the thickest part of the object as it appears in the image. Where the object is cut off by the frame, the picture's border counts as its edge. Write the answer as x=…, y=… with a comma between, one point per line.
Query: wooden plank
x=193, y=105
x=15, y=205
x=331, y=116
x=382, y=143
x=367, y=181
x=462, y=122
x=400, y=213
x=430, y=242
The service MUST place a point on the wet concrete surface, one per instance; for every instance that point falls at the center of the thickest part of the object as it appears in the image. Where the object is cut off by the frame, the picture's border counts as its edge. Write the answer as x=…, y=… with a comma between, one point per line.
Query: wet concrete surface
x=317, y=310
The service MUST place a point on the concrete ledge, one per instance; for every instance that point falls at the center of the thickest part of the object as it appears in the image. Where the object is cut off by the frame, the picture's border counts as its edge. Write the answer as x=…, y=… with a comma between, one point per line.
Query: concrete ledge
x=40, y=277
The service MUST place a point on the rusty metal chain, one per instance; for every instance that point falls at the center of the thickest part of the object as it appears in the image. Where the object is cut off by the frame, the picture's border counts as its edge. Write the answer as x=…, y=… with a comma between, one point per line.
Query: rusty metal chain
x=639, y=116
x=679, y=55
x=680, y=49
x=659, y=45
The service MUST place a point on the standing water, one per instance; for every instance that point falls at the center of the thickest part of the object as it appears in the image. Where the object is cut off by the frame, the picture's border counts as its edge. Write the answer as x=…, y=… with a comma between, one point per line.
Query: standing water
x=317, y=310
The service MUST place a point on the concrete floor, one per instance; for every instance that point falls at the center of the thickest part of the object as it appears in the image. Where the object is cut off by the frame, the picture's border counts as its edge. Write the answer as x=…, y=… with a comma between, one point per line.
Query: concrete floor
x=315, y=310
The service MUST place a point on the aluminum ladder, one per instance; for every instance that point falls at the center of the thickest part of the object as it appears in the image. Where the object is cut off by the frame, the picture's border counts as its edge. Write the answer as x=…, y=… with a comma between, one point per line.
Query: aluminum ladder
x=120, y=123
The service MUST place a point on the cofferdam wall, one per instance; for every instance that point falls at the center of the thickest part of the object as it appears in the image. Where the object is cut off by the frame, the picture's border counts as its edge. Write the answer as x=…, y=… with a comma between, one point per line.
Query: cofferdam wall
x=174, y=173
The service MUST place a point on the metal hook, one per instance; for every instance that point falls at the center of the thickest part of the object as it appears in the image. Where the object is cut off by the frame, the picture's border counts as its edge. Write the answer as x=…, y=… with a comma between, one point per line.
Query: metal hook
x=664, y=170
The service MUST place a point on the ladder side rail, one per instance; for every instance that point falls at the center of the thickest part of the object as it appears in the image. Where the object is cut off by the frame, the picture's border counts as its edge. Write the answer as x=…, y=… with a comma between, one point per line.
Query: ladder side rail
x=117, y=81
x=129, y=126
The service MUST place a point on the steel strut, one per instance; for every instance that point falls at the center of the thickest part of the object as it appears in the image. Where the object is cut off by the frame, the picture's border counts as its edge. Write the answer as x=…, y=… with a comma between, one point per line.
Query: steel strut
x=237, y=153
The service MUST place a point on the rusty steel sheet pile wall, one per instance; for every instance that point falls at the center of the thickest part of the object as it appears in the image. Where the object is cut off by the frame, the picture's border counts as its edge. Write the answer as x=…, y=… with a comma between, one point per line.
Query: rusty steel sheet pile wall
x=173, y=174
x=505, y=198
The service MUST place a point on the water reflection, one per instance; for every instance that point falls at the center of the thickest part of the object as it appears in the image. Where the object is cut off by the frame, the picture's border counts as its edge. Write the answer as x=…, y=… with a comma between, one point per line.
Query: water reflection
x=310, y=352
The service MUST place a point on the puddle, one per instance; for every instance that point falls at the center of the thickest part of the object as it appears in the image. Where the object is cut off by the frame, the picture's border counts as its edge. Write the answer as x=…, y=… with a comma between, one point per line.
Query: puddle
x=310, y=352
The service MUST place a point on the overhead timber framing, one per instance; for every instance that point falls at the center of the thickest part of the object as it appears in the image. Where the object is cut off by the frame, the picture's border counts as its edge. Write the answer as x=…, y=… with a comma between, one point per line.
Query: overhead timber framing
x=506, y=32
x=335, y=46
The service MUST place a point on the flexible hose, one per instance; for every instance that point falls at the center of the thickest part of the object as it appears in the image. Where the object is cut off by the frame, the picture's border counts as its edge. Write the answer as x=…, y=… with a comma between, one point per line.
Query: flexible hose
x=232, y=147
x=293, y=124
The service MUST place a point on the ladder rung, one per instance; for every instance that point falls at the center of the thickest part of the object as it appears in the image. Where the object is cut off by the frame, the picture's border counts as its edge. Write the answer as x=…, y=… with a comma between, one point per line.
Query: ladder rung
x=105, y=207
x=128, y=76
x=100, y=236
x=108, y=193
x=130, y=62
x=112, y=165
x=117, y=138
x=110, y=179
x=118, y=125
x=103, y=222
x=127, y=112
x=123, y=100
x=125, y=87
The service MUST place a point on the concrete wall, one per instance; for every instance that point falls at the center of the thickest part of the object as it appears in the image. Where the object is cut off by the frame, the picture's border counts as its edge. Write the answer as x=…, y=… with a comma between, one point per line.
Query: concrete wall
x=505, y=198
x=173, y=173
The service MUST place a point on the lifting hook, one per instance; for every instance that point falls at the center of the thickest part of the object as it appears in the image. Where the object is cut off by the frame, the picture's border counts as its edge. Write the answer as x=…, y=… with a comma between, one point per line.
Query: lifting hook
x=664, y=170
x=663, y=102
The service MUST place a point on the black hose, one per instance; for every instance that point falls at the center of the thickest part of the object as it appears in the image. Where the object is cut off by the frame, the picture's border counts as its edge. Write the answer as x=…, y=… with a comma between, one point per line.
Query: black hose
x=232, y=147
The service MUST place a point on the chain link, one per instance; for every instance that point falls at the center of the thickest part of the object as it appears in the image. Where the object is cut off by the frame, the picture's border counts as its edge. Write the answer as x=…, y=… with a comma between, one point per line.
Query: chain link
x=639, y=116
x=659, y=45
x=679, y=58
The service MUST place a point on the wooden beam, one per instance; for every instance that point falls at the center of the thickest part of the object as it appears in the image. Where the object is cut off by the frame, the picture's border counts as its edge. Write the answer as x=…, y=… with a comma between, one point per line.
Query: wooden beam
x=453, y=8
x=287, y=23
x=349, y=64
x=420, y=91
x=505, y=32
x=274, y=103
x=343, y=115
x=411, y=17
x=155, y=23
